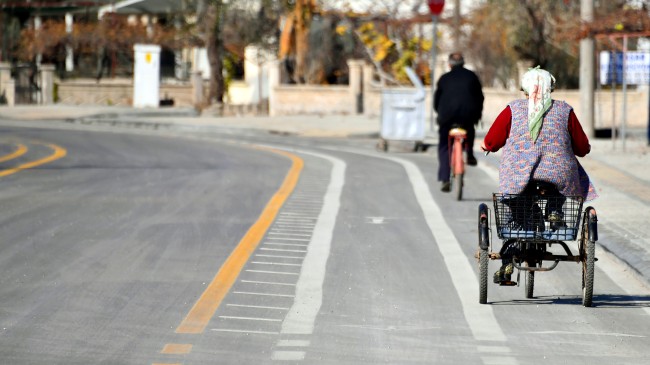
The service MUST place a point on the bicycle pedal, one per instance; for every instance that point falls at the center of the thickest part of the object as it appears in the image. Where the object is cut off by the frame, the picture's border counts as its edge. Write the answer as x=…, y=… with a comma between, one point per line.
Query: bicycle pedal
x=508, y=283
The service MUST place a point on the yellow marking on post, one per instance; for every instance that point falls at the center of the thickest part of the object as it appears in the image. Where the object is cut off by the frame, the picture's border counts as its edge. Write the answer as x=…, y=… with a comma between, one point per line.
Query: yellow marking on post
x=21, y=150
x=58, y=153
x=205, y=307
x=177, y=348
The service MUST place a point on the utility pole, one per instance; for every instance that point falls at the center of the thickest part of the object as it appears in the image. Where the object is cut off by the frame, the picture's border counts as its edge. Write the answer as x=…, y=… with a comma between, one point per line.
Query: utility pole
x=456, y=25
x=435, y=7
x=587, y=71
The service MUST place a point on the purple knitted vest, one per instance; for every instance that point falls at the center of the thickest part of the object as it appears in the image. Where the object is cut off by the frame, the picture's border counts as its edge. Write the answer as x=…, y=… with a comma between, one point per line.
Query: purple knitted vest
x=549, y=159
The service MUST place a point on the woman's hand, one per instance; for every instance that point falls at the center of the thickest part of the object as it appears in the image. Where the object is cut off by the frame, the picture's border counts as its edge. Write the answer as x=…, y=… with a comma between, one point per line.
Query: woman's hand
x=484, y=147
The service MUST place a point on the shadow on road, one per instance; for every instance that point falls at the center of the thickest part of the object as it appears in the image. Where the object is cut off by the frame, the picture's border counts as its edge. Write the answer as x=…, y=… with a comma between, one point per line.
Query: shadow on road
x=599, y=301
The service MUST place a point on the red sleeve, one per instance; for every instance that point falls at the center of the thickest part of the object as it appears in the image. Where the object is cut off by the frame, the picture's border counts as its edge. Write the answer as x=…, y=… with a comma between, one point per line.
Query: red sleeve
x=579, y=140
x=499, y=131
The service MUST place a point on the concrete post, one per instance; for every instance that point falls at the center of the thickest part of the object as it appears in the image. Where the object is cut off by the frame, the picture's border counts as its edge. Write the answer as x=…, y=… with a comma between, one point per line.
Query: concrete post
x=7, y=85
x=355, y=86
x=10, y=92
x=368, y=77
x=274, y=82
x=197, y=89
x=47, y=84
x=5, y=73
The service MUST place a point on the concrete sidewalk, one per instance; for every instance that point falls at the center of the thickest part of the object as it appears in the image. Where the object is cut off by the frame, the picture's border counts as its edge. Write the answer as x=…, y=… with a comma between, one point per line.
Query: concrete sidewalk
x=621, y=173
x=189, y=118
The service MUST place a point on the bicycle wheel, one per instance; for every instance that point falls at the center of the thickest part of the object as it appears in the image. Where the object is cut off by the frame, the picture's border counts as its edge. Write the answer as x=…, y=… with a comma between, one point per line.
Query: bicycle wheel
x=483, y=260
x=483, y=255
x=457, y=169
x=457, y=186
x=588, y=253
x=530, y=283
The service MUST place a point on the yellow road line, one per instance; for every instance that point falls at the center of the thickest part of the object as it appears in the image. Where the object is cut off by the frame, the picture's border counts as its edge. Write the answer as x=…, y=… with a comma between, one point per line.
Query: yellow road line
x=177, y=349
x=22, y=149
x=58, y=153
x=205, y=307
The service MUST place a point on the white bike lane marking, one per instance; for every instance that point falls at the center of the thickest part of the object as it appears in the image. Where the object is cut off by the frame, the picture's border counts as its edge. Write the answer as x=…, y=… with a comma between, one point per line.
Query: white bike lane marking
x=309, y=289
x=480, y=317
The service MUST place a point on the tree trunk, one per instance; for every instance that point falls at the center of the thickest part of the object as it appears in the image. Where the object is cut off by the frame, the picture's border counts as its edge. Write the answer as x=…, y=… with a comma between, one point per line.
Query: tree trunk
x=215, y=49
x=303, y=15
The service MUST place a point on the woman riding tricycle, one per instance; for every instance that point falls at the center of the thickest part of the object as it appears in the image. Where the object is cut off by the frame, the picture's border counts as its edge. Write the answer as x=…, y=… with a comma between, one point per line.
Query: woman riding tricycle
x=542, y=187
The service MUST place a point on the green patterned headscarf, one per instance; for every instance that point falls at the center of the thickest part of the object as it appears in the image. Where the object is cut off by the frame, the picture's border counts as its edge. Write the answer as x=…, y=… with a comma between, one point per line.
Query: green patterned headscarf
x=537, y=84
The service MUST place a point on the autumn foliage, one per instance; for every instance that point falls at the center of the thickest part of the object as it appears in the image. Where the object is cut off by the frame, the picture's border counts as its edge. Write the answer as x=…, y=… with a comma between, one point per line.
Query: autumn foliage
x=112, y=33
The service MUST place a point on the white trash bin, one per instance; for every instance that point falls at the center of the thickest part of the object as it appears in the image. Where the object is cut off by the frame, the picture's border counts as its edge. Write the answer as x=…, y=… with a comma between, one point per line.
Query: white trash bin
x=403, y=114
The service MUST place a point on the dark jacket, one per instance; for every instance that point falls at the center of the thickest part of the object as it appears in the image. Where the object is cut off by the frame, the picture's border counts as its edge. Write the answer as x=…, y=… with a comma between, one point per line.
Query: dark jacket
x=459, y=97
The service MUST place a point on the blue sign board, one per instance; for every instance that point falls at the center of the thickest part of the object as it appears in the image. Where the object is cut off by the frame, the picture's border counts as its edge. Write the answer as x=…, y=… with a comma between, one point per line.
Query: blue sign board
x=637, y=68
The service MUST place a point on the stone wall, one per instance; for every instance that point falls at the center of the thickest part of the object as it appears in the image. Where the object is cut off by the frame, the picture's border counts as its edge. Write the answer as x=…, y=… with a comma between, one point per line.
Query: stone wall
x=115, y=92
x=344, y=99
x=308, y=99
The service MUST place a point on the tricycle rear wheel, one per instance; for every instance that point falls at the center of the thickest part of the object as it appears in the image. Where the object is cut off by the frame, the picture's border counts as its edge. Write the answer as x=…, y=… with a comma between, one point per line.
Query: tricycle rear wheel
x=483, y=254
x=483, y=260
x=530, y=283
x=588, y=253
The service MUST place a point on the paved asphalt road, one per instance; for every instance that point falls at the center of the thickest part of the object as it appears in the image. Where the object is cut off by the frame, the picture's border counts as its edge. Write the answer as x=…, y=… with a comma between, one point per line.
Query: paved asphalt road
x=163, y=247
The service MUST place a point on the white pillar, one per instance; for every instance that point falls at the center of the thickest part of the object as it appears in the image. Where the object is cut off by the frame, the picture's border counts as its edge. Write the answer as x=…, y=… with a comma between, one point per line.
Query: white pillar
x=368, y=77
x=356, y=87
x=5, y=73
x=274, y=82
x=197, y=89
x=69, y=55
x=7, y=85
x=47, y=84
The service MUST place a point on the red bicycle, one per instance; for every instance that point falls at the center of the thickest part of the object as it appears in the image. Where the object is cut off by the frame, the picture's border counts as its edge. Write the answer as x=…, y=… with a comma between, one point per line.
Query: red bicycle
x=457, y=138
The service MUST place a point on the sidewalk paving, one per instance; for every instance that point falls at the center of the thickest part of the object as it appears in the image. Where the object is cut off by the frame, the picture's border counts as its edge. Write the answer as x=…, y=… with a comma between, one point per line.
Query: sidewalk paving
x=621, y=174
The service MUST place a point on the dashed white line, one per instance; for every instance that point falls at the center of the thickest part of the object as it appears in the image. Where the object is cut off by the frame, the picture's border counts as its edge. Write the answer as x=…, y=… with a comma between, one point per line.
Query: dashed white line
x=264, y=294
x=256, y=306
x=291, y=230
x=297, y=215
x=286, y=244
x=273, y=272
x=280, y=256
x=252, y=319
x=297, y=225
x=275, y=263
x=266, y=282
x=293, y=343
x=288, y=239
x=288, y=355
x=289, y=234
x=281, y=250
x=245, y=331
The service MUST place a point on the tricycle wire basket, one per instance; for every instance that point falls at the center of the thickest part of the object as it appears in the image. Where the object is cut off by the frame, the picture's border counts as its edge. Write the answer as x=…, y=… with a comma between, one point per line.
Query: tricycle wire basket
x=535, y=217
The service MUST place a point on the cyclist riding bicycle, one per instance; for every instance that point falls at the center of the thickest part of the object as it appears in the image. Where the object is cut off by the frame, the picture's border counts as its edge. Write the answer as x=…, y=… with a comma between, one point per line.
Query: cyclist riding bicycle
x=541, y=138
x=458, y=100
